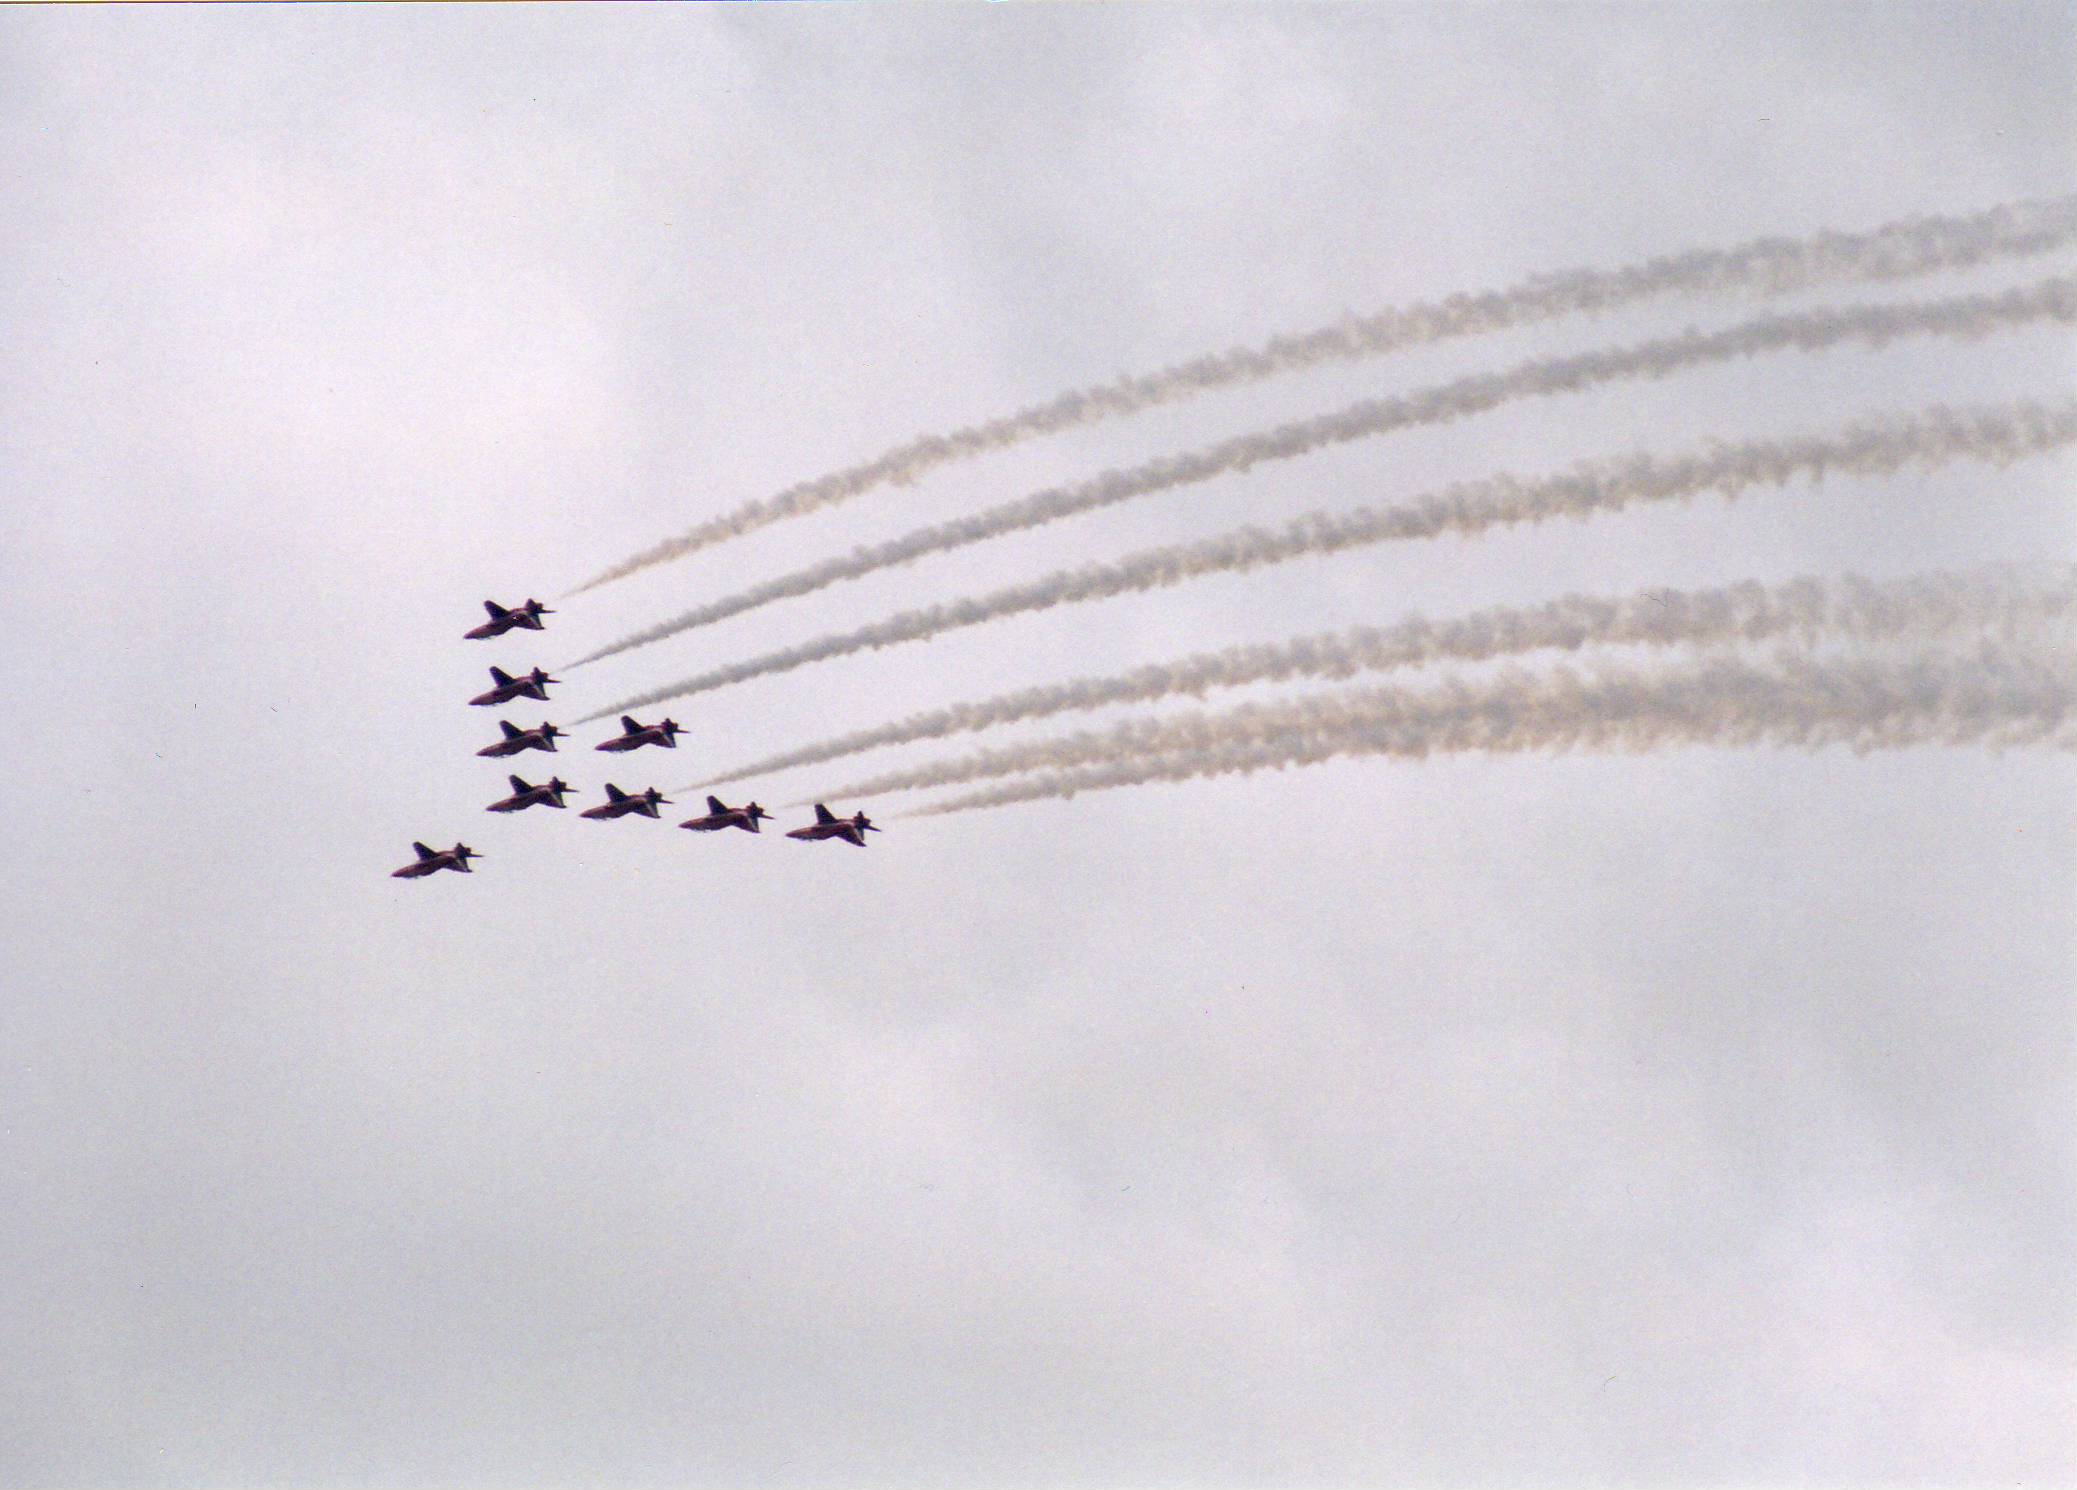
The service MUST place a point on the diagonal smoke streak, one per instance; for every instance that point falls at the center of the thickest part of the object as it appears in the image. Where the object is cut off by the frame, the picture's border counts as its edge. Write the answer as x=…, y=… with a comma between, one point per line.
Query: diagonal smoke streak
x=1872, y=325
x=1997, y=433
x=1993, y=697
x=1981, y=602
x=1253, y=723
x=1766, y=266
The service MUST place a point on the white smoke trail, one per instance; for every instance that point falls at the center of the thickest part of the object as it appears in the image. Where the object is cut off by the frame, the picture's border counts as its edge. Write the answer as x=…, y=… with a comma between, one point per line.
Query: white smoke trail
x=1998, y=433
x=1766, y=266
x=1996, y=698
x=1980, y=602
x=1872, y=325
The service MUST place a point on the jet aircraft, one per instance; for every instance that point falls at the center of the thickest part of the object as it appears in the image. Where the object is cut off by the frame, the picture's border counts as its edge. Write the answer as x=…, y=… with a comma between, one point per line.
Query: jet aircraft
x=533, y=685
x=828, y=825
x=619, y=804
x=721, y=816
x=634, y=735
x=524, y=796
x=517, y=739
x=433, y=860
x=502, y=620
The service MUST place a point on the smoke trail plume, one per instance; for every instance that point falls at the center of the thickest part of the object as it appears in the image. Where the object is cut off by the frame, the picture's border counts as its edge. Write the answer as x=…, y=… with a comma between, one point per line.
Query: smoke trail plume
x=1998, y=433
x=1872, y=325
x=1766, y=266
x=1981, y=602
x=1993, y=697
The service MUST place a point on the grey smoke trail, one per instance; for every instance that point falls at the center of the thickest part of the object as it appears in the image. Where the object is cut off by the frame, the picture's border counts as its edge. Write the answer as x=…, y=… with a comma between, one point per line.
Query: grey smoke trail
x=1993, y=697
x=1766, y=266
x=1996, y=433
x=2052, y=299
x=1980, y=602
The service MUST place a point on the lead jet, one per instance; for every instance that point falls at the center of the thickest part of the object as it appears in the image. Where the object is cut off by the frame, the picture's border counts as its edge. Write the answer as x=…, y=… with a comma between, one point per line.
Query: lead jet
x=524, y=796
x=533, y=685
x=720, y=816
x=634, y=735
x=501, y=620
x=828, y=825
x=619, y=804
x=433, y=860
x=517, y=739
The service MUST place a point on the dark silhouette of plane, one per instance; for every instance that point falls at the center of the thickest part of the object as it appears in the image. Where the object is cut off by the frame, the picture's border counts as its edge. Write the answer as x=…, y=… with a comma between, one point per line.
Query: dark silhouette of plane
x=517, y=739
x=433, y=860
x=634, y=735
x=524, y=796
x=720, y=816
x=533, y=685
x=828, y=825
x=619, y=804
x=502, y=620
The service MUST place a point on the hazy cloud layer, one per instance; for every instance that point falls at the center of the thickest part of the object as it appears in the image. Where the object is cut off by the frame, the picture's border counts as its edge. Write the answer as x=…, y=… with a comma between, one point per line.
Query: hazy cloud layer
x=1687, y=1118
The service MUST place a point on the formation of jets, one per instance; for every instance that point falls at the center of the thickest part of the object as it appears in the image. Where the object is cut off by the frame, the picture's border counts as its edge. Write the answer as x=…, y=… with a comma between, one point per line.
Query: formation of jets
x=633, y=736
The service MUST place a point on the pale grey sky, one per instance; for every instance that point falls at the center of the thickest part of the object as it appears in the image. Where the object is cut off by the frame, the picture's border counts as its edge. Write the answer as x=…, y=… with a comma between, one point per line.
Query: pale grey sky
x=1689, y=1119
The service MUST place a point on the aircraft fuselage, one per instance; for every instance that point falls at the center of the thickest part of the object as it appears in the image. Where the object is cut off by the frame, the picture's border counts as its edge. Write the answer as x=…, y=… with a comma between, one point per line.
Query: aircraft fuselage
x=641, y=806
x=504, y=693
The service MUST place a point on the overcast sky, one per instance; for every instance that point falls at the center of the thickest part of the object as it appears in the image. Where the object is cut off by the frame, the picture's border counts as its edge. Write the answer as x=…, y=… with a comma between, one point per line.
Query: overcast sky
x=1699, y=1118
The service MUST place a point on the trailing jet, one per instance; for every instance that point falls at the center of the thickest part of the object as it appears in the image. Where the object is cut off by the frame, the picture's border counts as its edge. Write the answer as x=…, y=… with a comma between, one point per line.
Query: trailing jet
x=524, y=796
x=433, y=860
x=517, y=739
x=533, y=685
x=502, y=620
x=720, y=816
x=619, y=804
x=633, y=735
x=828, y=825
